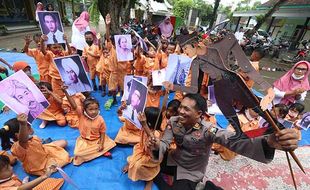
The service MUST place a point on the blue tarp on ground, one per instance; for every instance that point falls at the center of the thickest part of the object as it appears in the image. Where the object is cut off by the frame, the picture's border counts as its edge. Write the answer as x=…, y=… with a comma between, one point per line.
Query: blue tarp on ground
x=101, y=173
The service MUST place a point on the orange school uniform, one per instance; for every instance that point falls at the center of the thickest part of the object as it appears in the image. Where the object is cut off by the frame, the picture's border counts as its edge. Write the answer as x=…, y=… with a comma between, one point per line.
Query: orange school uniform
x=161, y=60
x=140, y=164
x=48, y=184
x=70, y=114
x=54, y=73
x=42, y=63
x=128, y=134
x=92, y=61
x=36, y=157
x=86, y=146
x=153, y=98
x=53, y=113
x=103, y=68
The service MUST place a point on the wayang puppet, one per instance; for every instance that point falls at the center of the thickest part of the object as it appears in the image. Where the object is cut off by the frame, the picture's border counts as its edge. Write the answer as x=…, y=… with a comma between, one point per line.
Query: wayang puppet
x=229, y=88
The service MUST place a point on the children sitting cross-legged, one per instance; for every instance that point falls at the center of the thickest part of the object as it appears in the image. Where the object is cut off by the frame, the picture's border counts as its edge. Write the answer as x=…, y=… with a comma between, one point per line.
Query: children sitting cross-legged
x=9, y=181
x=54, y=112
x=35, y=156
x=140, y=164
x=93, y=141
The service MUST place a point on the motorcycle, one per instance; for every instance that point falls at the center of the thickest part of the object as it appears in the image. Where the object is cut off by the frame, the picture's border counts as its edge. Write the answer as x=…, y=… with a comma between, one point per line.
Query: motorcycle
x=300, y=55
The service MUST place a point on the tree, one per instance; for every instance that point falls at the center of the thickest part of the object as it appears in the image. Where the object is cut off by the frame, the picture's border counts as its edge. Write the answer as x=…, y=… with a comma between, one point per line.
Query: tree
x=262, y=18
x=205, y=11
x=214, y=14
x=182, y=7
x=119, y=11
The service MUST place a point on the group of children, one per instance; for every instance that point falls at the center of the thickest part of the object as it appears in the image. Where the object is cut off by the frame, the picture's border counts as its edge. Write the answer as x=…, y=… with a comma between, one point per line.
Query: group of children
x=81, y=111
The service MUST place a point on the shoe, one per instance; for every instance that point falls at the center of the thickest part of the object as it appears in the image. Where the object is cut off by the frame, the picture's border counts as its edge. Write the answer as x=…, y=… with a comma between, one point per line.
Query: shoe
x=103, y=94
x=108, y=155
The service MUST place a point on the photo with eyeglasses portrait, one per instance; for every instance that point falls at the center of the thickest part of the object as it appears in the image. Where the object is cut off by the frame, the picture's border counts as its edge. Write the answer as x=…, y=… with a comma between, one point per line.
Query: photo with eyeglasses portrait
x=21, y=95
x=51, y=26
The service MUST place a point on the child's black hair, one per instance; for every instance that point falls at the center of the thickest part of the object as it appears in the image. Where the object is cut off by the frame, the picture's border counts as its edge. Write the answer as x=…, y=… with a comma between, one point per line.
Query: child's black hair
x=260, y=52
x=88, y=32
x=46, y=84
x=298, y=107
x=90, y=100
x=4, y=162
x=283, y=110
x=36, y=35
x=174, y=104
x=151, y=114
x=8, y=132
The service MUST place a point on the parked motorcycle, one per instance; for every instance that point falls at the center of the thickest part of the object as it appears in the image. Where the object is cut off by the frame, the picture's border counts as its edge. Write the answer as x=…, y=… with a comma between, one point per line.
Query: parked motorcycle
x=300, y=55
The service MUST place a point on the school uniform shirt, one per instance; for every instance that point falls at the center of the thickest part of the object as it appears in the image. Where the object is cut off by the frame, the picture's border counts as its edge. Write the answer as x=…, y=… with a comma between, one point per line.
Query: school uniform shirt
x=193, y=148
x=41, y=62
x=59, y=37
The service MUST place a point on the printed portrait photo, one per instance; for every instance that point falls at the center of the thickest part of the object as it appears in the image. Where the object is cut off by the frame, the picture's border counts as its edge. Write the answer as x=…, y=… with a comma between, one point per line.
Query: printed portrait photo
x=73, y=74
x=305, y=121
x=136, y=102
x=127, y=84
x=178, y=69
x=123, y=47
x=21, y=95
x=50, y=24
x=158, y=77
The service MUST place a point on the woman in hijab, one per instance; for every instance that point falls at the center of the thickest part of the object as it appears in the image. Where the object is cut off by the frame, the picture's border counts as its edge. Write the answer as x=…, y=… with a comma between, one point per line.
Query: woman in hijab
x=166, y=28
x=79, y=27
x=293, y=86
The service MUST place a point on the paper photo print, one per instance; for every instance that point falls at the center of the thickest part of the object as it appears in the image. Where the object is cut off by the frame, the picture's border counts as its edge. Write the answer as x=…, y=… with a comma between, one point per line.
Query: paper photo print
x=136, y=102
x=178, y=69
x=305, y=121
x=50, y=24
x=158, y=77
x=21, y=95
x=123, y=47
x=127, y=84
x=73, y=74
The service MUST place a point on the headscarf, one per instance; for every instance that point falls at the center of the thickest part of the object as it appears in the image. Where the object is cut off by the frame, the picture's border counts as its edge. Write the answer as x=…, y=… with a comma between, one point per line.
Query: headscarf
x=69, y=64
x=166, y=29
x=288, y=83
x=14, y=84
x=20, y=65
x=82, y=22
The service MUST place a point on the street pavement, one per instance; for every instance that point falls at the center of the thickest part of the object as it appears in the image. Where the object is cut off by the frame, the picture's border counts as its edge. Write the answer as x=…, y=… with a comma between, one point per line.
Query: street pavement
x=11, y=41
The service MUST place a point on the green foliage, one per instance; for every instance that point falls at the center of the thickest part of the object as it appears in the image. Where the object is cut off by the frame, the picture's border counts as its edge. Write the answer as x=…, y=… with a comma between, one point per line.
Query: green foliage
x=94, y=12
x=181, y=7
x=244, y=5
x=260, y=18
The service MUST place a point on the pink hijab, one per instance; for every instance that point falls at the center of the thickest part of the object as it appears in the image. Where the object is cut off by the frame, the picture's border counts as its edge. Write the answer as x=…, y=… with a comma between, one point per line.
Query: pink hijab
x=166, y=29
x=82, y=22
x=288, y=83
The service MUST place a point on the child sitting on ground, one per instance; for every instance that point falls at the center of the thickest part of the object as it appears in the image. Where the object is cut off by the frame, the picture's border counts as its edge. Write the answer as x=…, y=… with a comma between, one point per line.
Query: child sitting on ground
x=70, y=114
x=54, y=112
x=8, y=180
x=93, y=141
x=35, y=156
x=140, y=164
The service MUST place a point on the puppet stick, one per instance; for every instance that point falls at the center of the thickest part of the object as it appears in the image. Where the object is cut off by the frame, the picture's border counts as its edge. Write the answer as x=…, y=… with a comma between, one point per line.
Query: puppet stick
x=66, y=177
x=162, y=106
x=287, y=157
x=291, y=169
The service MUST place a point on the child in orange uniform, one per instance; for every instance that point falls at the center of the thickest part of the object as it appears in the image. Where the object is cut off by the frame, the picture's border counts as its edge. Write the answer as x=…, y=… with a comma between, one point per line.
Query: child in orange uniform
x=54, y=50
x=145, y=64
x=93, y=141
x=54, y=112
x=172, y=110
x=70, y=114
x=128, y=134
x=153, y=94
x=9, y=181
x=35, y=156
x=91, y=55
x=140, y=164
x=103, y=68
x=38, y=56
